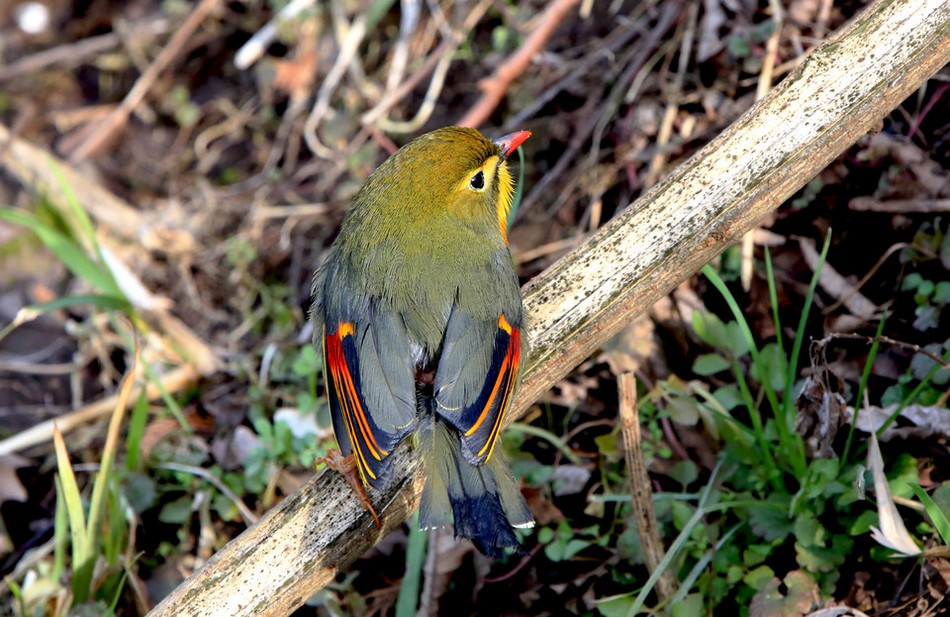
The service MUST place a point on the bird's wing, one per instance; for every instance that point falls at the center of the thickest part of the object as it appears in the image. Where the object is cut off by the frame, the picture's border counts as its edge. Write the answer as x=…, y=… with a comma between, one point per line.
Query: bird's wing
x=476, y=378
x=370, y=379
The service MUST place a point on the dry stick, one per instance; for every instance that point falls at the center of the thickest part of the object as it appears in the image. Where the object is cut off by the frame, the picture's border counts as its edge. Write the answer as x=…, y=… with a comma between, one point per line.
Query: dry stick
x=116, y=120
x=54, y=179
x=900, y=206
x=71, y=54
x=856, y=287
x=882, y=339
x=836, y=95
x=495, y=87
x=673, y=95
x=643, y=512
x=174, y=381
x=445, y=48
x=590, y=121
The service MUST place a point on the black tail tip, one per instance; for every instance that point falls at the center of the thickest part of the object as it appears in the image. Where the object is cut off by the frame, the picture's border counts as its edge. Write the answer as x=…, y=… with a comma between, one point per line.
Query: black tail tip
x=482, y=520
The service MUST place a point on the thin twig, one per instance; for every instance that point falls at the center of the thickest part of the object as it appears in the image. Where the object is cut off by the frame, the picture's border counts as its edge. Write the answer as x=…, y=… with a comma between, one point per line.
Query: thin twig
x=439, y=62
x=867, y=277
x=495, y=87
x=177, y=380
x=246, y=513
x=870, y=340
x=348, y=48
x=98, y=133
x=72, y=54
x=655, y=170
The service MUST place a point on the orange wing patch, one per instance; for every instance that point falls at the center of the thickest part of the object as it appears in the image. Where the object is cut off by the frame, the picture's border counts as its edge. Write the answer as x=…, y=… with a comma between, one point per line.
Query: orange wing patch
x=486, y=416
x=347, y=406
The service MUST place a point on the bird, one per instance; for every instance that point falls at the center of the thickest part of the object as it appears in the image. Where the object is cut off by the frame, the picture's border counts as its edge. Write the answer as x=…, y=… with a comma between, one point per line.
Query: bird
x=418, y=312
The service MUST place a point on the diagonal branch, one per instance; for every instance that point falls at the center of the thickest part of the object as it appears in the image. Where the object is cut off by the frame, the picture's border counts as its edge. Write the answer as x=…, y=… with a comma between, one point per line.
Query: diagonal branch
x=840, y=92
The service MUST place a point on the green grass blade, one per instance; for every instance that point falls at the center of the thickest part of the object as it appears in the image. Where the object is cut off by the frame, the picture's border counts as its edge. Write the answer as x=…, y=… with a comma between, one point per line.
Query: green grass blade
x=773, y=298
x=76, y=213
x=690, y=579
x=784, y=430
x=101, y=484
x=169, y=401
x=60, y=533
x=83, y=560
x=72, y=255
x=800, y=334
x=548, y=436
x=758, y=430
x=941, y=524
x=133, y=440
x=865, y=375
x=408, y=600
x=739, y=316
x=677, y=546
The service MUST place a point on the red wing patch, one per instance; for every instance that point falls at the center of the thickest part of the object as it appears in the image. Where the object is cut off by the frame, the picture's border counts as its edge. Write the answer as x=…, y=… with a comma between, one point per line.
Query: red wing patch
x=347, y=405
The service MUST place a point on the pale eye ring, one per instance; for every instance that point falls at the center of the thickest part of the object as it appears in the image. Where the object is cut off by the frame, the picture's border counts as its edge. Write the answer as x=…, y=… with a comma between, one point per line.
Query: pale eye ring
x=478, y=181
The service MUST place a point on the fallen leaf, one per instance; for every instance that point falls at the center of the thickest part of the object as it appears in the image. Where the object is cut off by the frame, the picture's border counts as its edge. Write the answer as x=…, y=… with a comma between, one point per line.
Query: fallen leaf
x=892, y=533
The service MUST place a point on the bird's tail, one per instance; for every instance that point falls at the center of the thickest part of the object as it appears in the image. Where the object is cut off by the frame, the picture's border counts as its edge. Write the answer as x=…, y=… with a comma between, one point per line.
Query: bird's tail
x=482, y=502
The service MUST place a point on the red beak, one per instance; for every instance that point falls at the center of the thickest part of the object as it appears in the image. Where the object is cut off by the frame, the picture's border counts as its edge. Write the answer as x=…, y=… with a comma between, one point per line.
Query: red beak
x=509, y=143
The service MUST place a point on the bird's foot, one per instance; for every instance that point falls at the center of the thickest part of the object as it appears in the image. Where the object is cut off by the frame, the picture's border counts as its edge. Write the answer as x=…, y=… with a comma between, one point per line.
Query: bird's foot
x=346, y=467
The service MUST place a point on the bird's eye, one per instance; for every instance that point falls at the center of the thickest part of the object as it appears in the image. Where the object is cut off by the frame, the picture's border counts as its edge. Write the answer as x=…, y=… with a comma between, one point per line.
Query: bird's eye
x=478, y=181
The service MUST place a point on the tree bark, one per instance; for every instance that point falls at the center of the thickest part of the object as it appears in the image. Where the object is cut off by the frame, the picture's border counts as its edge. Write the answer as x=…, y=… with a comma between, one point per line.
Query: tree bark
x=840, y=91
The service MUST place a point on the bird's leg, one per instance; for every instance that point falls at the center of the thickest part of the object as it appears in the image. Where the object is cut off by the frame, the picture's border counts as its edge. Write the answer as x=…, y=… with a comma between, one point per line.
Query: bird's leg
x=346, y=467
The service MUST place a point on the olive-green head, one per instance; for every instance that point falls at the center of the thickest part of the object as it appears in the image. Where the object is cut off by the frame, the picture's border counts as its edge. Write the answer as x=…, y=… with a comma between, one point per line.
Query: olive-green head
x=451, y=175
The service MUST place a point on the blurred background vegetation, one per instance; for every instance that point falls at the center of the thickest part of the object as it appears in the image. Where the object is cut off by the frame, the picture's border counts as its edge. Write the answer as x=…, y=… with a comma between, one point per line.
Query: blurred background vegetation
x=166, y=194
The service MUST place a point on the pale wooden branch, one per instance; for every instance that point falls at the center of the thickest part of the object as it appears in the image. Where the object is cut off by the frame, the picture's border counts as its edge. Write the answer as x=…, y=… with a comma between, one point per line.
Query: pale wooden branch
x=836, y=95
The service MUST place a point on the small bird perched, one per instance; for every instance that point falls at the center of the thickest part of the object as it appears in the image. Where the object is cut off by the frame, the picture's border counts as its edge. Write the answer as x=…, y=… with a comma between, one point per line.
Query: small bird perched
x=421, y=329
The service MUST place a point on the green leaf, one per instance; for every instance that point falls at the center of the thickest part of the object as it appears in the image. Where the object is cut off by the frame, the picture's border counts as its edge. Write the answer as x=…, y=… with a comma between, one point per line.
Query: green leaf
x=808, y=530
x=691, y=606
x=820, y=558
x=307, y=362
x=628, y=544
x=683, y=410
x=617, y=606
x=720, y=335
x=133, y=440
x=942, y=293
x=562, y=551
x=758, y=577
x=921, y=365
x=176, y=512
x=710, y=364
x=902, y=473
x=139, y=491
x=911, y=282
x=685, y=472
x=771, y=524
x=862, y=524
x=728, y=396
x=800, y=593
x=771, y=366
